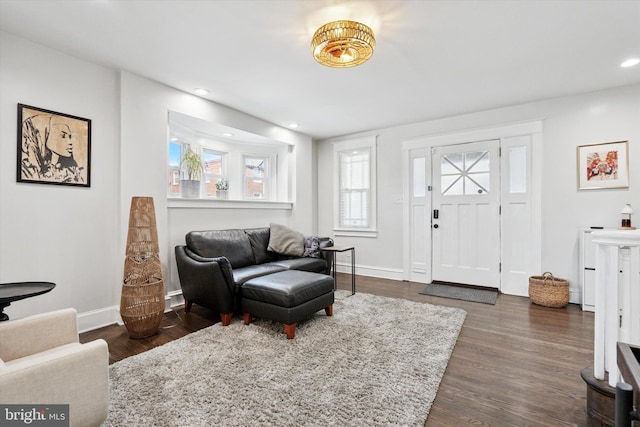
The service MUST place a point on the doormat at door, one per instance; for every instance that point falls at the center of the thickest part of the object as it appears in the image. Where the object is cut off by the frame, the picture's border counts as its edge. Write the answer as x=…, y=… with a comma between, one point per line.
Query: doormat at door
x=484, y=296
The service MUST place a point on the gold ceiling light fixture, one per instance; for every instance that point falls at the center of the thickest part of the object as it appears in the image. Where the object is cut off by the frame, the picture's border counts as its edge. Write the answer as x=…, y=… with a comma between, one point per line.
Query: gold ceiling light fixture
x=343, y=44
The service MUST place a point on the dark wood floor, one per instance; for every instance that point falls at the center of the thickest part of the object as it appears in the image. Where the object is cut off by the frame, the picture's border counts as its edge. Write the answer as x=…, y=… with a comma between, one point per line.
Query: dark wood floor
x=515, y=363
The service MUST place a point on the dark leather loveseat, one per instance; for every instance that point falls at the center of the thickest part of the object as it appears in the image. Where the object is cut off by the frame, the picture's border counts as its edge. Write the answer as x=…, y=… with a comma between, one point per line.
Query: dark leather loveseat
x=213, y=265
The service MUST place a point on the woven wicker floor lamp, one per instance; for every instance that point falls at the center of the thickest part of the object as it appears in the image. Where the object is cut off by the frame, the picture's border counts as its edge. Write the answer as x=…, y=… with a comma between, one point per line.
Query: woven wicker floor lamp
x=142, y=301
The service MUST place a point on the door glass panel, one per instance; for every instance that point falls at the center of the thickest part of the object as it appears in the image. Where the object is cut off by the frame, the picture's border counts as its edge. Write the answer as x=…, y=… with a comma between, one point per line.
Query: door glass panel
x=419, y=177
x=477, y=183
x=477, y=161
x=465, y=173
x=518, y=169
x=451, y=185
x=451, y=163
x=471, y=187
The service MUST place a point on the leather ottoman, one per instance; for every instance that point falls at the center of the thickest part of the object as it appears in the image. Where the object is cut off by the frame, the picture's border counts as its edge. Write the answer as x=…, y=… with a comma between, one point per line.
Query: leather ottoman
x=288, y=297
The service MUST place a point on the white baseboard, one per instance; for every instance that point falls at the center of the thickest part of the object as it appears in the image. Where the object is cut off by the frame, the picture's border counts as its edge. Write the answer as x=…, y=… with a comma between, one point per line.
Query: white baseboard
x=95, y=319
x=574, y=296
x=175, y=299
x=366, y=270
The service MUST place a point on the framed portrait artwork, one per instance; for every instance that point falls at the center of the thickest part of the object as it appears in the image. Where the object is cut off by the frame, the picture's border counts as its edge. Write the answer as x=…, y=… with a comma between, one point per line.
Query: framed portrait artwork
x=603, y=165
x=53, y=148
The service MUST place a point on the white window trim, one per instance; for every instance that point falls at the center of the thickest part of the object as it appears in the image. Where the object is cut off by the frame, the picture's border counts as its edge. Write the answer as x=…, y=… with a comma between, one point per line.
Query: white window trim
x=270, y=176
x=368, y=142
x=223, y=158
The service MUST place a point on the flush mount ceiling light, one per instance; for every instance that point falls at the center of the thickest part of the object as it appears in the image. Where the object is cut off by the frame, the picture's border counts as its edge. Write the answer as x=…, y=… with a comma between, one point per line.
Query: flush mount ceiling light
x=343, y=44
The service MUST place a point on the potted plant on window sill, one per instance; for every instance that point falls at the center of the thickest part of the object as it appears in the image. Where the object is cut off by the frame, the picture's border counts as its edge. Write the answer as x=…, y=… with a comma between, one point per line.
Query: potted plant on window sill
x=192, y=166
x=222, y=187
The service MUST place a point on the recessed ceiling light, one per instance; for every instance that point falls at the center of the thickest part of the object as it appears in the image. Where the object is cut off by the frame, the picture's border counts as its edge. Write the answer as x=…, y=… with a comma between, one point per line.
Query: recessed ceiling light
x=201, y=91
x=173, y=138
x=630, y=62
x=293, y=125
x=227, y=134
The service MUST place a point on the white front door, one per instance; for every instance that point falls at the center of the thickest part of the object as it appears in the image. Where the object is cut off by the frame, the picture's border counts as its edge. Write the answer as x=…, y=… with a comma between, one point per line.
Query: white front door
x=465, y=214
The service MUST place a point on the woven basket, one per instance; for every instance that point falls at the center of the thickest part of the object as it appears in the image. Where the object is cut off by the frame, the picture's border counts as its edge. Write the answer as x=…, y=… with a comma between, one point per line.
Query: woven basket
x=549, y=291
x=142, y=308
x=142, y=300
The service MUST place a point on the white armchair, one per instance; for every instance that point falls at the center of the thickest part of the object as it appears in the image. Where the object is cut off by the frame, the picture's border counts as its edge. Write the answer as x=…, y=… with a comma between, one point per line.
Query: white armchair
x=42, y=362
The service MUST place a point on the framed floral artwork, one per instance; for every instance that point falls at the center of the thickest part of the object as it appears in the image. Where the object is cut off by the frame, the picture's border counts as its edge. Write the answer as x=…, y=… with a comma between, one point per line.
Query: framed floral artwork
x=604, y=165
x=53, y=148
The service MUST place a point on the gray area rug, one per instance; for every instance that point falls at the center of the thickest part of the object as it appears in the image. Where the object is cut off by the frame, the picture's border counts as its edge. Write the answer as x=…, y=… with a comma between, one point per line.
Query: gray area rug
x=376, y=362
x=460, y=292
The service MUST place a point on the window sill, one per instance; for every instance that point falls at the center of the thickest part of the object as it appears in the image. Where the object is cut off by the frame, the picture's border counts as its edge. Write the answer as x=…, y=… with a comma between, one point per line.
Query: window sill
x=355, y=233
x=178, y=203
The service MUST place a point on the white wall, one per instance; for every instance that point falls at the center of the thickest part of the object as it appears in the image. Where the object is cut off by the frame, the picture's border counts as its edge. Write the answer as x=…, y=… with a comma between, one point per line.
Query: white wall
x=57, y=233
x=604, y=116
x=76, y=237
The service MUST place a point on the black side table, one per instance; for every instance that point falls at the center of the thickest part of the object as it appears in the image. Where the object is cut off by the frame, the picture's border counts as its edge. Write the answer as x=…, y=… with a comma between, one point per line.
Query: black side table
x=336, y=249
x=10, y=292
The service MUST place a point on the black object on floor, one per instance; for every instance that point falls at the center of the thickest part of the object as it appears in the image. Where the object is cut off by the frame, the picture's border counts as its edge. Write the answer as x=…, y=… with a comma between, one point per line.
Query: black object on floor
x=465, y=293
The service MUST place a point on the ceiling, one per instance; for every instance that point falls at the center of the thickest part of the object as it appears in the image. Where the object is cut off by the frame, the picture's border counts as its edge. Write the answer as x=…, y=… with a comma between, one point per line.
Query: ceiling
x=433, y=59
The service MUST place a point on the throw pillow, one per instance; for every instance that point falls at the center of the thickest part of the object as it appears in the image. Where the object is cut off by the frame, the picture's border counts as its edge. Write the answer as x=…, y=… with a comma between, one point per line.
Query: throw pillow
x=312, y=247
x=286, y=241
